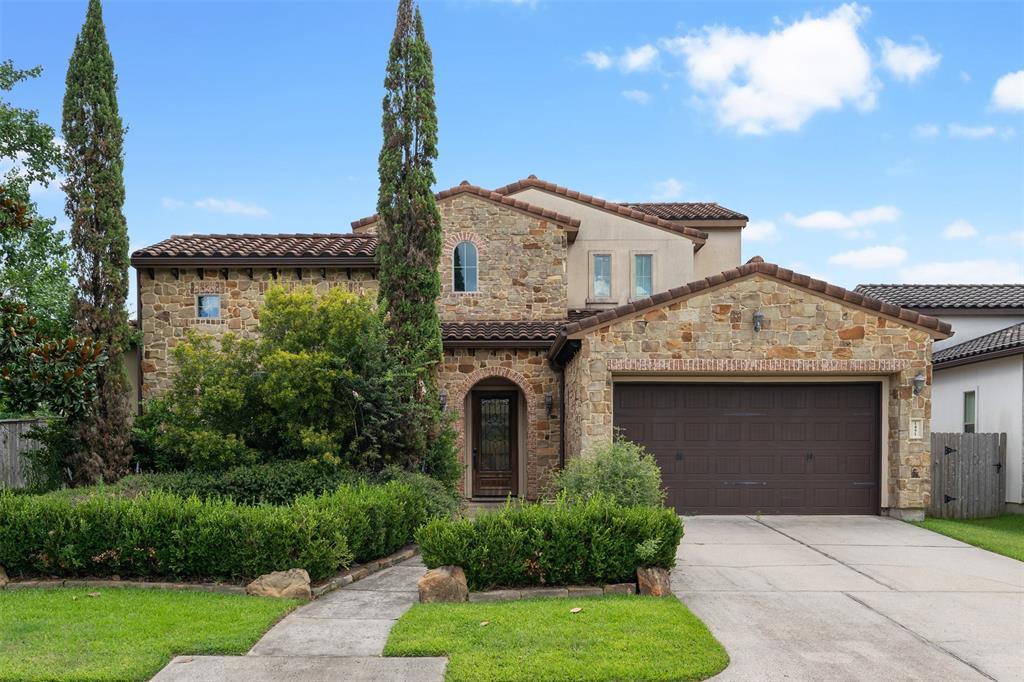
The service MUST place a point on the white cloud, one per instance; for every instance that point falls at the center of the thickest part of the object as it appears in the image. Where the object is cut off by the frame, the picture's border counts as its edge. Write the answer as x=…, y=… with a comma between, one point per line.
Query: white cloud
x=638, y=58
x=1008, y=94
x=759, y=231
x=599, y=60
x=964, y=272
x=231, y=207
x=1015, y=238
x=171, y=204
x=959, y=229
x=669, y=189
x=908, y=62
x=977, y=132
x=965, y=76
x=835, y=220
x=762, y=83
x=927, y=130
x=870, y=257
x=638, y=96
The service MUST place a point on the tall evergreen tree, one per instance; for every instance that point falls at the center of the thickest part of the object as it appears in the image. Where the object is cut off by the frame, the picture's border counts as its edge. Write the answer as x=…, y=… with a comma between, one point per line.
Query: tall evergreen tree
x=94, y=163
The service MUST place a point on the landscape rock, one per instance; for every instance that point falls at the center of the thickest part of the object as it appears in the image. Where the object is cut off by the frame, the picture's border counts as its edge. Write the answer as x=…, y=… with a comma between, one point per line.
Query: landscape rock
x=620, y=588
x=3, y=578
x=443, y=584
x=290, y=584
x=654, y=582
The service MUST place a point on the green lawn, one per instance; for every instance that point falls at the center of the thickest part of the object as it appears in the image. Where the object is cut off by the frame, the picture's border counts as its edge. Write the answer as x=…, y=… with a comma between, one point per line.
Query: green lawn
x=122, y=634
x=1001, y=534
x=612, y=638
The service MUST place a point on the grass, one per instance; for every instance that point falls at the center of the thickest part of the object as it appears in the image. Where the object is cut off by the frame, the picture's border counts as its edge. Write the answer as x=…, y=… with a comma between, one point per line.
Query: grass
x=612, y=638
x=121, y=634
x=1000, y=534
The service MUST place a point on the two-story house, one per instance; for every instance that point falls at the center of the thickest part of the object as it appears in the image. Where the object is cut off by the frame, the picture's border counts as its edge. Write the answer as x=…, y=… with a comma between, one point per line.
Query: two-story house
x=566, y=317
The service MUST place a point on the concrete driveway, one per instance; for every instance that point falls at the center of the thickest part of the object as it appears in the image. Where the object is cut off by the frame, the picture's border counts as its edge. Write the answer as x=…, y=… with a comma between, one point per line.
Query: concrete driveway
x=851, y=598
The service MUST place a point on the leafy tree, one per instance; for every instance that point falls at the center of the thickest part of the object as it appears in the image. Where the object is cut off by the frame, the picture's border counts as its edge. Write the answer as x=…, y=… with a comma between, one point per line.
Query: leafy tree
x=94, y=164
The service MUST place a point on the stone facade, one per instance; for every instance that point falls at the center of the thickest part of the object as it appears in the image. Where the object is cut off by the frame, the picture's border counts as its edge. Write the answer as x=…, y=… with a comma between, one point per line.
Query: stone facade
x=803, y=334
x=168, y=311
x=527, y=369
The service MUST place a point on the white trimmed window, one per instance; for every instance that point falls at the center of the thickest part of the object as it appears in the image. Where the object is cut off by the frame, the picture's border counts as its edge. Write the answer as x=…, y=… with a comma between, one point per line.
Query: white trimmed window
x=464, y=267
x=601, y=280
x=970, y=411
x=643, y=275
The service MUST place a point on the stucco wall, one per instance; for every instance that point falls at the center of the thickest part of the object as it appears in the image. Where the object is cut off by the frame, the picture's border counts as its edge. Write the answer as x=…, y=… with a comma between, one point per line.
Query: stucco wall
x=604, y=232
x=999, y=387
x=168, y=307
x=721, y=252
x=803, y=334
x=967, y=327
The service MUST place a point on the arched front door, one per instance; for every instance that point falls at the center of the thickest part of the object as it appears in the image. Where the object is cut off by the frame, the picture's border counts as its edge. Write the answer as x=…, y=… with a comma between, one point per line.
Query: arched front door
x=495, y=444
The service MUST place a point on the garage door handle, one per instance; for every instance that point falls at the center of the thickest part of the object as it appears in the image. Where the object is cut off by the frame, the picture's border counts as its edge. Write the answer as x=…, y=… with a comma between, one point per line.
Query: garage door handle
x=745, y=482
x=810, y=456
x=679, y=455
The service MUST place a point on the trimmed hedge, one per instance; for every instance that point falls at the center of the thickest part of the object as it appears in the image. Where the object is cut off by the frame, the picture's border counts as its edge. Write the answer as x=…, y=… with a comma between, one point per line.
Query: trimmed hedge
x=592, y=542
x=162, y=535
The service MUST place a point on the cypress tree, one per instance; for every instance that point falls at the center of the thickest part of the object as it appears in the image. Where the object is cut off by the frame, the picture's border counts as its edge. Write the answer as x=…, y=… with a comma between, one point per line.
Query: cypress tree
x=94, y=185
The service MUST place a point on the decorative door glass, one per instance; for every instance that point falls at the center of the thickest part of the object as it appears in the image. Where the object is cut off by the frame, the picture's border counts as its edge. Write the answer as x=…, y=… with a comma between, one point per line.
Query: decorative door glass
x=495, y=432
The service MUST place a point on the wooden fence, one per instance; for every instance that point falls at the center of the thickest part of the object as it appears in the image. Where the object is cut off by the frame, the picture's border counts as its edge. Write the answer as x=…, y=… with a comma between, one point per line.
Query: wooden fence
x=14, y=442
x=968, y=475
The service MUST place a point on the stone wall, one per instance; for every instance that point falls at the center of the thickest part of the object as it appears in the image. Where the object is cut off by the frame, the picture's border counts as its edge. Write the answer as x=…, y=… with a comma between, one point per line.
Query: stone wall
x=803, y=334
x=168, y=307
x=528, y=369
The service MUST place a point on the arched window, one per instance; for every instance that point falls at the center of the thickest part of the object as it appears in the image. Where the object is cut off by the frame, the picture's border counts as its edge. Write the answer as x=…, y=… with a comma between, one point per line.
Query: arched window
x=464, y=266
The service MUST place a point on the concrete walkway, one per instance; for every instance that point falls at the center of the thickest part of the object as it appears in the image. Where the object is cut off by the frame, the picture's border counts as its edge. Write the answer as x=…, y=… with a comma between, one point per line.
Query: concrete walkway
x=851, y=598
x=340, y=636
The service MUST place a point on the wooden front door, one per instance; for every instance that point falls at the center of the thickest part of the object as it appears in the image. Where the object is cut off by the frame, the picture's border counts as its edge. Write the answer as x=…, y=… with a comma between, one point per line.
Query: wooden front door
x=495, y=443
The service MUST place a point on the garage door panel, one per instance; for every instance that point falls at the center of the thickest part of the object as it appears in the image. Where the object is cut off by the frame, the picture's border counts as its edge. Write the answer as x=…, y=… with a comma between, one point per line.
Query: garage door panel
x=759, y=448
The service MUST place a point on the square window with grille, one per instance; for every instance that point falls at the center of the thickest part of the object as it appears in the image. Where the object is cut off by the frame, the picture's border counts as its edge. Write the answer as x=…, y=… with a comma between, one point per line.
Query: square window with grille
x=208, y=306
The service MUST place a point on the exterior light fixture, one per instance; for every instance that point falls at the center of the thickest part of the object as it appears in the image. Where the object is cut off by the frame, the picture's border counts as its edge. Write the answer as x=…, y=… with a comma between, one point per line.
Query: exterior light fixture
x=919, y=383
x=549, y=402
x=442, y=397
x=758, y=320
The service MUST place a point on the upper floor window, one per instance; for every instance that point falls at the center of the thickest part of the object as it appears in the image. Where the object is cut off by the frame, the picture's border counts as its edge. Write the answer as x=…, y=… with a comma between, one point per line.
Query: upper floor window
x=208, y=306
x=970, y=411
x=643, y=275
x=602, y=286
x=464, y=266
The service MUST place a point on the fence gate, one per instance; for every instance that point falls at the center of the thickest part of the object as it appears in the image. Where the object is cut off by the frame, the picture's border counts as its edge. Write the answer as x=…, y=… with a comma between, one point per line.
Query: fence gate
x=14, y=442
x=968, y=475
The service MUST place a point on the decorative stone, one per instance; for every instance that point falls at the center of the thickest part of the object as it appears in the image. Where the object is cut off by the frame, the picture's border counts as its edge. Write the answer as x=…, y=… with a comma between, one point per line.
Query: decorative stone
x=545, y=593
x=654, y=582
x=443, y=584
x=585, y=591
x=620, y=588
x=3, y=578
x=290, y=584
x=495, y=595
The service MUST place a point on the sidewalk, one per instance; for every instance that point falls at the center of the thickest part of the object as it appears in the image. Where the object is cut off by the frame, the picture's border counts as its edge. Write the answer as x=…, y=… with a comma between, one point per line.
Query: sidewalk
x=340, y=636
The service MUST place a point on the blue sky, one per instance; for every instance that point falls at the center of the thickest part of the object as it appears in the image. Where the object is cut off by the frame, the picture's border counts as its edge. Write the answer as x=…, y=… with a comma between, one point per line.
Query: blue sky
x=867, y=143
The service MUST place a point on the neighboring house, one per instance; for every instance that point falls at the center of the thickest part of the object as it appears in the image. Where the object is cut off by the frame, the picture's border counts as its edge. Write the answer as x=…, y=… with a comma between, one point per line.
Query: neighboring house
x=565, y=317
x=979, y=372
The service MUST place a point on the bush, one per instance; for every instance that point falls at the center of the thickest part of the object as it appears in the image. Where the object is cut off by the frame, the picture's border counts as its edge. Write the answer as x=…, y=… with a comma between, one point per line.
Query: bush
x=440, y=498
x=620, y=470
x=594, y=541
x=162, y=535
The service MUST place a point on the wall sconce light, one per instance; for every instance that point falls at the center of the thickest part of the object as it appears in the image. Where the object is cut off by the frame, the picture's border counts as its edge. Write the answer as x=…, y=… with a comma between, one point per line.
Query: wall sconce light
x=442, y=397
x=919, y=383
x=758, y=320
x=549, y=402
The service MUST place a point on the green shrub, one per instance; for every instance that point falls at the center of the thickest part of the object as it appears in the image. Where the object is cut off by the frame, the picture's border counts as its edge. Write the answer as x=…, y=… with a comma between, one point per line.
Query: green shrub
x=440, y=498
x=162, y=535
x=620, y=470
x=592, y=541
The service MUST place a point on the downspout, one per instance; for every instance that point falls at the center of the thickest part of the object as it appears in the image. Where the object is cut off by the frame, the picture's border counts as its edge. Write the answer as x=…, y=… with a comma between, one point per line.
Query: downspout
x=561, y=419
x=142, y=340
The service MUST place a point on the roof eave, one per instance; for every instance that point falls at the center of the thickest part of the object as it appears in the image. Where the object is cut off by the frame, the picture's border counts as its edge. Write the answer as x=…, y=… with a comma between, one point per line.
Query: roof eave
x=980, y=357
x=250, y=261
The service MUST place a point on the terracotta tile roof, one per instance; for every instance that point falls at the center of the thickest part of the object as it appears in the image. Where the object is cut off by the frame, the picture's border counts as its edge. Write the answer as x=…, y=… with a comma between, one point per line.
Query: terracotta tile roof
x=948, y=295
x=259, y=247
x=754, y=266
x=1009, y=341
x=540, y=331
x=534, y=182
x=466, y=188
x=687, y=210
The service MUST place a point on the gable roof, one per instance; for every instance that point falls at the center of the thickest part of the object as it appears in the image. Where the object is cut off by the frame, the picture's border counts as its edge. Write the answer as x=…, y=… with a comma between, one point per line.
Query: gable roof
x=687, y=210
x=1009, y=341
x=948, y=296
x=533, y=182
x=259, y=249
x=571, y=224
x=755, y=265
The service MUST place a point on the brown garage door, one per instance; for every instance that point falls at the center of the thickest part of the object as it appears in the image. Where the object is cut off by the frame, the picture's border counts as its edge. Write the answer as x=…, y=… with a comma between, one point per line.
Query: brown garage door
x=759, y=448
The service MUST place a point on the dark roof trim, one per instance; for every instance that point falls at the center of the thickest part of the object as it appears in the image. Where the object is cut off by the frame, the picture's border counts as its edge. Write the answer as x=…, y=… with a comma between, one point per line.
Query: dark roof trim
x=973, y=312
x=995, y=344
x=497, y=343
x=533, y=182
x=982, y=357
x=754, y=266
x=259, y=262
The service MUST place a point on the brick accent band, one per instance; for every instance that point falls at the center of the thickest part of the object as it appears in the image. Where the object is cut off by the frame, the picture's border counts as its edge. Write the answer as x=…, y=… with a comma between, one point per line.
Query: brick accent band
x=762, y=366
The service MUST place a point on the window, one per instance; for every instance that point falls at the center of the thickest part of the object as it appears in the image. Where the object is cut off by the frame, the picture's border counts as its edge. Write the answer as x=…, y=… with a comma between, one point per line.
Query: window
x=209, y=306
x=970, y=411
x=464, y=266
x=643, y=275
x=602, y=276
